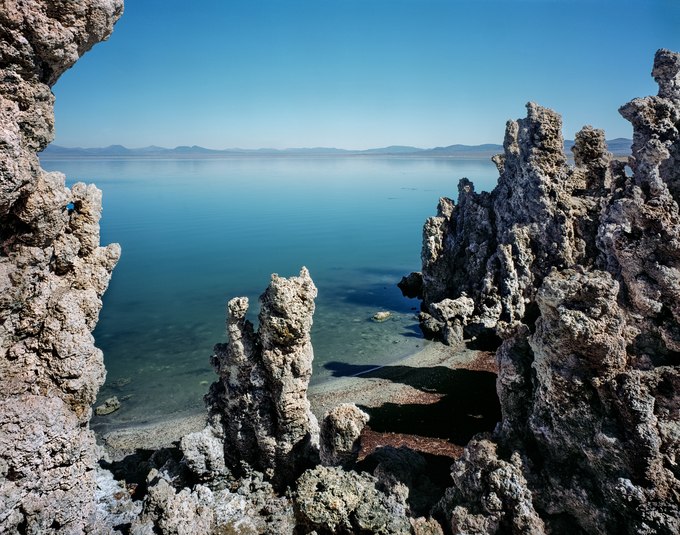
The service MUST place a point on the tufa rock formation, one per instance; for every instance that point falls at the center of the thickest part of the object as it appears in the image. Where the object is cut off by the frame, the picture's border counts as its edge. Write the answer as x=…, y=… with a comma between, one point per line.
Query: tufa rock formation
x=577, y=270
x=331, y=500
x=262, y=439
x=340, y=432
x=52, y=276
x=248, y=505
x=259, y=411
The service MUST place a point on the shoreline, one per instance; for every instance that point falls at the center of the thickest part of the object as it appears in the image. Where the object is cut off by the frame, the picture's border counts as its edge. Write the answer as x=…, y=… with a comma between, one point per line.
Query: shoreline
x=405, y=385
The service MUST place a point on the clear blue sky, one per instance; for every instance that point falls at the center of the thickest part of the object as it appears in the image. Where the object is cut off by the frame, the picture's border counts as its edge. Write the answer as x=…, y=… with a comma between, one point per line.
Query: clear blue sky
x=358, y=73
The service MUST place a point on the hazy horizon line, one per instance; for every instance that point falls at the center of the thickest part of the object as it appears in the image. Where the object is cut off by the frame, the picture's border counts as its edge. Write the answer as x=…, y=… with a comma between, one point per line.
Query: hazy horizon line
x=292, y=148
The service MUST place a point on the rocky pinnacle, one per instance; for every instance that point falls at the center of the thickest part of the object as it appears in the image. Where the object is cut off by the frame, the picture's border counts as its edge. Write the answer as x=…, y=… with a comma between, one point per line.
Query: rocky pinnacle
x=261, y=397
x=576, y=270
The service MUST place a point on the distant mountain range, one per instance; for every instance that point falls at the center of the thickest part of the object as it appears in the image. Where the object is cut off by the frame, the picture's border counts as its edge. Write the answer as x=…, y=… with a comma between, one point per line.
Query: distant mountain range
x=618, y=146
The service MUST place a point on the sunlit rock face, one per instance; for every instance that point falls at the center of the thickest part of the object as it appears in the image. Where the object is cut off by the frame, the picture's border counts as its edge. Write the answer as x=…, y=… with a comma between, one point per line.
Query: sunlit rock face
x=497, y=247
x=259, y=405
x=255, y=467
x=577, y=270
x=52, y=276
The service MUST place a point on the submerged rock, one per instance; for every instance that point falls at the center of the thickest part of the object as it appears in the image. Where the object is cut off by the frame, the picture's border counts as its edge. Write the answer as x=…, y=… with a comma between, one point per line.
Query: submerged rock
x=381, y=316
x=577, y=269
x=52, y=276
x=109, y=405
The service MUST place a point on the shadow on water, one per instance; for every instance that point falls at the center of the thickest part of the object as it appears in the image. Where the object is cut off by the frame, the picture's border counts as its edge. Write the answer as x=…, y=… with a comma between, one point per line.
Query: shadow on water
x=378, y=295
x=375, y=288
x=467, y=404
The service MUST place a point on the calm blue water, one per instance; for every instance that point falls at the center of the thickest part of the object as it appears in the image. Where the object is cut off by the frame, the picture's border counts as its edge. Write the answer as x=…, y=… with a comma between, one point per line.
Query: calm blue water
x=196, y=233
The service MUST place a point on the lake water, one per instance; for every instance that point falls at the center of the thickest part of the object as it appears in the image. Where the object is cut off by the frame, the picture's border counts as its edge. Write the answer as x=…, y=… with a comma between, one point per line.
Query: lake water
x=195, y=233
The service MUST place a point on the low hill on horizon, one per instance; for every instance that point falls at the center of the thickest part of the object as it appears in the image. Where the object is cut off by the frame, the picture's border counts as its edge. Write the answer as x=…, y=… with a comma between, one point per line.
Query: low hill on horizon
x=618, y=146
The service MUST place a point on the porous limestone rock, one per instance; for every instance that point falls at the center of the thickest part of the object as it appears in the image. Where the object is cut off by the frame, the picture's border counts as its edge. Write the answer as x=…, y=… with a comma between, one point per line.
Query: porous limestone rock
x=425, y=526
x=204, y=451
x=250, y=507
x=404, y=472
x=330, y=500
x=448, y=317
x=577, y=269
x=52, y=276
x=489, y=495
x=115, y=506
x=495, y=248
x=261, y=395
x=340, y=431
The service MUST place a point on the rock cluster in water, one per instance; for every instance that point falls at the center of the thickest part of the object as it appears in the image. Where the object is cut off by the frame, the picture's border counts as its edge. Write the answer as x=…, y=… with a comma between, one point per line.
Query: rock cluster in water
x=52, y=275
x=577, y=271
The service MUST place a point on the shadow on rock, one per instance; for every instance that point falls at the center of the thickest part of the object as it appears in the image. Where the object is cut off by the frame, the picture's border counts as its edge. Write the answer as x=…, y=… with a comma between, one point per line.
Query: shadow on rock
x=134, y=468
x=426, y=476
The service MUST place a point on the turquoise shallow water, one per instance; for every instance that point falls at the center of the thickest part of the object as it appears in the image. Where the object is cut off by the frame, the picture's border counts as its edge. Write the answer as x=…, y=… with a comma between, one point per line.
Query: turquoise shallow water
x=196, y=233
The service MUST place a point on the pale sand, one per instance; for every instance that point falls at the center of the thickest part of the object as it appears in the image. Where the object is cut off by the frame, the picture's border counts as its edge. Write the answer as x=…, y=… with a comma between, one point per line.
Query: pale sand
x=391, y=383
x=373, y=388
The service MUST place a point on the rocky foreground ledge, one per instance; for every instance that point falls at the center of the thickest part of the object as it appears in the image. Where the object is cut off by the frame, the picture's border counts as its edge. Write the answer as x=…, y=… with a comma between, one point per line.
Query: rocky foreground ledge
x=572, y=272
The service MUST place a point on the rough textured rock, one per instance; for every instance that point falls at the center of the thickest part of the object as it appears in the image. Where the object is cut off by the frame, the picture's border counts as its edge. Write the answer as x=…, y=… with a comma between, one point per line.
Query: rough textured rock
x=109, y=405
x=340, y=431
x=52, y=276
x=330, y=500
x=489, y=495
x=115, y=506
x=577, y=269
x=381, y=316
x=404, y=472
x=447, y=319
x=251, y=508
x=261, y=396
x=204, y=451
x=426, y=526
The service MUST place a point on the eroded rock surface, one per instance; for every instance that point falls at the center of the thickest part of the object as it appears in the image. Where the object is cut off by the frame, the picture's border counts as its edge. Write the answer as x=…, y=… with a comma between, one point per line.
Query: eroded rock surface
x=489, y=495
x=340, y=431
x=249, y=507
x=255, y=463
x=260, y=401
x=52, y=276
x=577, y=269
x=331, y=500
